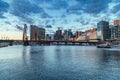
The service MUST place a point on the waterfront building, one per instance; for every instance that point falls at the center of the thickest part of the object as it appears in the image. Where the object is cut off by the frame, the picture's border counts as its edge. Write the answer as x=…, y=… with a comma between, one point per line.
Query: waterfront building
x=112, y=27
x=103, y=31
x=65, y=35
x=116, y=22
x=58, y=35
x=82, y=37
x=36, y=33
x=117, y=32
x=117, y=29
x=70, y=34
x=76, y=35
x=91, y=34
x=49, y=37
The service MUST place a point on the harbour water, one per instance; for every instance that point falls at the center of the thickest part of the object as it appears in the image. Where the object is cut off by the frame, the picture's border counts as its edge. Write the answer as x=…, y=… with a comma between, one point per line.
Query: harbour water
x=59, y=63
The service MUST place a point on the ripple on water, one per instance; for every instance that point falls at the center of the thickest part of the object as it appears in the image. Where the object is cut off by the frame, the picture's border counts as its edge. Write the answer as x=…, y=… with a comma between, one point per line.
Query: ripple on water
x=59, y=63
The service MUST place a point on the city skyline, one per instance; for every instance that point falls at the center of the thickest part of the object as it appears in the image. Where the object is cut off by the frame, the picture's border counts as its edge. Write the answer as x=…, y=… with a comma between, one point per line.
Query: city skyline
x=72, y=14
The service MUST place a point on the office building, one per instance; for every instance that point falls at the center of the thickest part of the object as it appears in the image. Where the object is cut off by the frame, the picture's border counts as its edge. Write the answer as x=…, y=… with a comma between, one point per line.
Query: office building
x=117, y=32
x=117, y=29
x=36, y=33
x=103, y=31
x=65, y=35
x=116, y=22
x=58, y=35
x=70, y=34
x=112, y=27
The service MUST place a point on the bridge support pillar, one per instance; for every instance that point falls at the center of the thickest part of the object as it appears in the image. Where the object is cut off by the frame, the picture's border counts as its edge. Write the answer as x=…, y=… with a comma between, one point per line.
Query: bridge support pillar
x=66, y=43
x=73, y=43
x=57, y=43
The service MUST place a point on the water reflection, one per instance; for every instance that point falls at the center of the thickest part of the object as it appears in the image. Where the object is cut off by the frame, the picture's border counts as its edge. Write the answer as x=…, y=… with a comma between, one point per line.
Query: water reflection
x=108, y=58
x=59, y=63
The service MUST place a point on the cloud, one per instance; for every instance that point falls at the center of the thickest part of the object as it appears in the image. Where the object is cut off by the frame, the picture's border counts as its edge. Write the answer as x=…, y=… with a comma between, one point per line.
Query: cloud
x=116, y=8
x=19, y=28
x=48, y=26
x=81, y=14
x=53, y=4
x=47, y=22
x=60, y=4
x=7, y=22
x=23, y=8
x=45, y=15
x=3, y=8
x=89, y=6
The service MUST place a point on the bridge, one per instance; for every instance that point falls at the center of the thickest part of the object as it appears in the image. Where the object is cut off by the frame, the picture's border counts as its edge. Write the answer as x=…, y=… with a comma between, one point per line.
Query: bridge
x=53, y=42
x=65, y=42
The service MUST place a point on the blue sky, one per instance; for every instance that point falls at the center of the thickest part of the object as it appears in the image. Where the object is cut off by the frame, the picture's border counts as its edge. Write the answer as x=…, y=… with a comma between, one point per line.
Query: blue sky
x=74, y=14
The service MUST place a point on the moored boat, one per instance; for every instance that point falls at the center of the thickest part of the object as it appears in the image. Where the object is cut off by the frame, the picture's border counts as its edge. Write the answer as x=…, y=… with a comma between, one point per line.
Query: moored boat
x=104, y=46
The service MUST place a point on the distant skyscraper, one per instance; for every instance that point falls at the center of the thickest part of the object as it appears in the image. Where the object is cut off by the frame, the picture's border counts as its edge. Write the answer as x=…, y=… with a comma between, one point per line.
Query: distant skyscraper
x=65, y=35
x=103, y=30
x=58, y=34
x=70, y=34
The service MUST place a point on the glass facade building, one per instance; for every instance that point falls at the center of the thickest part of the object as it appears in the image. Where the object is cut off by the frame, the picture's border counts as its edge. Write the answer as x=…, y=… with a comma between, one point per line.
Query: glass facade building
x=112, y=32
x=117, y=32
x=103, y=31
x=36, y=33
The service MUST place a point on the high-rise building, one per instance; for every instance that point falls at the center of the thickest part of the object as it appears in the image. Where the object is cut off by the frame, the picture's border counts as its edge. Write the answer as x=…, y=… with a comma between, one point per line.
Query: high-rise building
x=49, y=37
x=76, y=35
x=116, y=29
x=103, y=31
x=58, y=35
x=113, y=28
x=65, y=35
x=36, y=33
x=117, y=32
x=70, y=34
x=117, y=22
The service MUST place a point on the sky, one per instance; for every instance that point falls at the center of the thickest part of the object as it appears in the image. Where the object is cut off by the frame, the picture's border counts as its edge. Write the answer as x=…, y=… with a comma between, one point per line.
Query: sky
x=51, y=14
